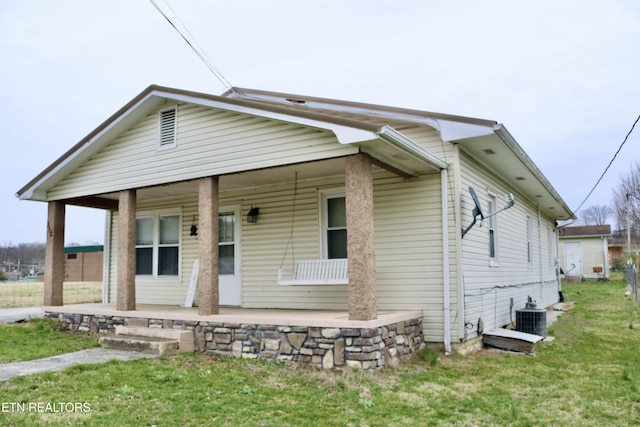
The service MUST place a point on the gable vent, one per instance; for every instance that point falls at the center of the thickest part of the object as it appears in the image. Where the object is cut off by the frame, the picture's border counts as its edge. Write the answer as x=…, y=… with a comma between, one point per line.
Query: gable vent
x=167, y=128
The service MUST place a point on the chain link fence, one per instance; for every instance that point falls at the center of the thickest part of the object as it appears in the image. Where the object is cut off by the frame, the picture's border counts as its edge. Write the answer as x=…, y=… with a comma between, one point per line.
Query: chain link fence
x=632, y=281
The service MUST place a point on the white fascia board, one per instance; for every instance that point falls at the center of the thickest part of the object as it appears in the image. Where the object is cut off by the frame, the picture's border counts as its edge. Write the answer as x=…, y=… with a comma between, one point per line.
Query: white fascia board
x=454, y=131
x=38, y=191
x=511, y=143
x=410, y=148
x=344, y=134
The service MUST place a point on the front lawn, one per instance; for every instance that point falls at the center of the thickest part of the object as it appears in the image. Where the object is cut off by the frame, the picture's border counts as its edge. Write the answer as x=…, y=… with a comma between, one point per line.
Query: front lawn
x=40, y=338
x=588, y=376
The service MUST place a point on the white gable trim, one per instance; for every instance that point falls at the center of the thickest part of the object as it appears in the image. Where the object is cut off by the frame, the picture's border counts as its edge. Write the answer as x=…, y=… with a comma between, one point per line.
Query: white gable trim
x=125, y=118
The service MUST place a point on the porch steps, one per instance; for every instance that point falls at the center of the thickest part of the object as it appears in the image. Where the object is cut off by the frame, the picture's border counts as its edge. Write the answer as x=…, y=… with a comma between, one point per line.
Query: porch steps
x=150, y=340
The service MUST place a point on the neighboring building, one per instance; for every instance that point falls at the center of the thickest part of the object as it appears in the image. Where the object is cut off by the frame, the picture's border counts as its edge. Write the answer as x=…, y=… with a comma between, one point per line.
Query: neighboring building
x=584, y=253
x=366, y=203
x=84, y=263
x=619, y=245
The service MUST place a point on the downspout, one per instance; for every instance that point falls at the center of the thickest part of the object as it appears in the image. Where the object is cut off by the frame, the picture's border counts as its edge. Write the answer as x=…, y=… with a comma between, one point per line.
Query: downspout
x=106, y=256
x=460, y=299
x=445, y=263
x=540, y=258
x=556, y=261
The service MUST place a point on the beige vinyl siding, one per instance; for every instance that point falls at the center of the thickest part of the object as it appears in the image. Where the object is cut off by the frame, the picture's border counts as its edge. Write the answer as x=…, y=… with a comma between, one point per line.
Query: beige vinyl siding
x=408, y=240
x=209, y=142
x=488, y=289
x=428, y=138
x=408, y=224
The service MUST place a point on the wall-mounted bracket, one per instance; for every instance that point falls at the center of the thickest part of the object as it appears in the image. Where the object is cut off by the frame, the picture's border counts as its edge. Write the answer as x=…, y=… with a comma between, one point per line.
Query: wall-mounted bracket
x=477, y=210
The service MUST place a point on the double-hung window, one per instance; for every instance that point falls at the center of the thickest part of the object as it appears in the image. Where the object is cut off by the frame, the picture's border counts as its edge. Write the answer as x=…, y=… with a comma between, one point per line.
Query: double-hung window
x=158, y=245
x=334, y=223
x=493, y=232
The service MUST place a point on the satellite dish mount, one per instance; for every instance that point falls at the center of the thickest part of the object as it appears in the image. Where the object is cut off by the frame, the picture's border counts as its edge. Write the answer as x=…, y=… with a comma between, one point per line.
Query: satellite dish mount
x=477, y=210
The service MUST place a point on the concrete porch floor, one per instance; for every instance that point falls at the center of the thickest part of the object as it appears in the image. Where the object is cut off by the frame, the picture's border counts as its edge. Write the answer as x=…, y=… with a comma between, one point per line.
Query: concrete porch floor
x=286, y=317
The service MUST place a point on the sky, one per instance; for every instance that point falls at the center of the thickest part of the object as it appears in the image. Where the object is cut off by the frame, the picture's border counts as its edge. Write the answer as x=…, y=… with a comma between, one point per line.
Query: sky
x=562, y=76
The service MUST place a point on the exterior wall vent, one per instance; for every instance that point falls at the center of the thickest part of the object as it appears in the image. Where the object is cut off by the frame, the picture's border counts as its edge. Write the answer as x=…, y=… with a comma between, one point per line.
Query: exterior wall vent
x=167, y=128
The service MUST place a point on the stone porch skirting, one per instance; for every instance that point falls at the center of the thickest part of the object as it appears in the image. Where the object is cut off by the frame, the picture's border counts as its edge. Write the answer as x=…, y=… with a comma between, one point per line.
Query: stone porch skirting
x=367, y=348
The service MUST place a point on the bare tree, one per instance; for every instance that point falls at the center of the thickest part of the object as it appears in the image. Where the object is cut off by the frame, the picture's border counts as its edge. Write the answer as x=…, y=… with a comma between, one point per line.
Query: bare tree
x=626, y=199
x=596, y=215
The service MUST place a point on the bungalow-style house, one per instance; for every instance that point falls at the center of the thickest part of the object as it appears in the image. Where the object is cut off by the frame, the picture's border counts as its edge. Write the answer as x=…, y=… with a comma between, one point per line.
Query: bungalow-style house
x=584, y=253
x=307, y=229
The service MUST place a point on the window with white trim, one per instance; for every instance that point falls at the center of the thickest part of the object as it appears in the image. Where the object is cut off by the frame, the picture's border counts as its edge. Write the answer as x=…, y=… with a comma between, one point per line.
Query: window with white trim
x=167, y=120
x=529, y=243
x=334, y=226
x=493, y=232
x=550, y=247
x=226, y=242
x=158, y=245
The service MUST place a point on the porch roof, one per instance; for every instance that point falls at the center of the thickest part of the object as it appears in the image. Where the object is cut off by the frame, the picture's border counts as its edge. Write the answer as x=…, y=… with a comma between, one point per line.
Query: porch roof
x=282, y=317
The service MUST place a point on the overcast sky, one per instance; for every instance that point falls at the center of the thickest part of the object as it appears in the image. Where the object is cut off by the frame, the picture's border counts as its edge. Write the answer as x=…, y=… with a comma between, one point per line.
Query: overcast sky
x=562, y=76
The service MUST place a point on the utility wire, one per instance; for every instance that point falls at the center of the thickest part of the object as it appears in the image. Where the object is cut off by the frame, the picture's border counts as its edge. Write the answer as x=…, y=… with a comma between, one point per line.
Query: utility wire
x=193, y=44
x=609, y=165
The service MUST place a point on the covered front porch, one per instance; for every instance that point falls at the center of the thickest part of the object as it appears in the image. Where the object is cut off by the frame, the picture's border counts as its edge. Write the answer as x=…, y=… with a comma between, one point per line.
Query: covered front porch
x=321, y=338
x=203, y=243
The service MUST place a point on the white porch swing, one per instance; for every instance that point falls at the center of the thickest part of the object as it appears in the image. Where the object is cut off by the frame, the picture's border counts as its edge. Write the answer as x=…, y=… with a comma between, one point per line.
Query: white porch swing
x=310, y=272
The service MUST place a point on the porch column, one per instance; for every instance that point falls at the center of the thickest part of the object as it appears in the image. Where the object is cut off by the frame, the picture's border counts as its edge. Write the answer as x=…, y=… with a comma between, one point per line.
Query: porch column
x=208, y=294
x=126, y=251
x=54, y=254
x=360, y=245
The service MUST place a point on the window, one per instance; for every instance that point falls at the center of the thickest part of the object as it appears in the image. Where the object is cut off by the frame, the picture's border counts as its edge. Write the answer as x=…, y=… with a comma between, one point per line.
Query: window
x=226, y=242
x=334, y=226
x=167, y=128
x=493, y=232
x=550, y=247
x=529, y=247
x=157, y=245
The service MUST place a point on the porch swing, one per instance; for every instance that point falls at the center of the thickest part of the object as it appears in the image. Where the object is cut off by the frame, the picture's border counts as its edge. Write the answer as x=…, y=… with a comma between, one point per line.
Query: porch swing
x=314, y=271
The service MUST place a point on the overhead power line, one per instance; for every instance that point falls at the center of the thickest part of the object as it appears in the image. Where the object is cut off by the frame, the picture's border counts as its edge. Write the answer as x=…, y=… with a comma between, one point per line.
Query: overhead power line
x=186, y=35
x=609, y=165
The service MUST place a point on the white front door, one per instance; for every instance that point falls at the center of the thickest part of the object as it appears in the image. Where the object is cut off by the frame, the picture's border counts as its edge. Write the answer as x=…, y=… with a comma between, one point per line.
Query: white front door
x=230, y=280
x=573, y=259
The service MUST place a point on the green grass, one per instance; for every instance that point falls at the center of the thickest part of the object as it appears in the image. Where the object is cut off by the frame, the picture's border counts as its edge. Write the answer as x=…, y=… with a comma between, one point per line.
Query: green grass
x=588, y=376
x=39, y=338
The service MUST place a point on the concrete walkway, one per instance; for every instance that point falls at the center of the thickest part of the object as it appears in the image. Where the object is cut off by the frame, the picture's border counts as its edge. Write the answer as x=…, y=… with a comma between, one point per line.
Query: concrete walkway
x=8, y=315
x=63, y=361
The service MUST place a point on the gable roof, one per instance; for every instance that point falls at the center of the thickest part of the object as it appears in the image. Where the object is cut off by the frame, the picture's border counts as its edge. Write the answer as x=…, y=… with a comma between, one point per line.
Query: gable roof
x=366, y=125
x=585, y=231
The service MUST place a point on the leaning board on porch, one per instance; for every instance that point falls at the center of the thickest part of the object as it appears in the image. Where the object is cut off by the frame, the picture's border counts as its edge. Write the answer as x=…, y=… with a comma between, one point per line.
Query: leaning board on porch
x=315, y=272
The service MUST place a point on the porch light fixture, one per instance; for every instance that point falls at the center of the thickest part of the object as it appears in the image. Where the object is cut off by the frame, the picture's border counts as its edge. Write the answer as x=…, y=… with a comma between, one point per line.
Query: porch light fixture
x=252, y=216
x=194, y=228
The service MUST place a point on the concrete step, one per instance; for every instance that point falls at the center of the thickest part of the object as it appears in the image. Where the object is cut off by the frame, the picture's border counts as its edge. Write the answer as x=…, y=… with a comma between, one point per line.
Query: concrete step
x=151, y=340
x=154, y=345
